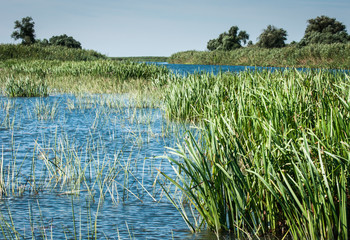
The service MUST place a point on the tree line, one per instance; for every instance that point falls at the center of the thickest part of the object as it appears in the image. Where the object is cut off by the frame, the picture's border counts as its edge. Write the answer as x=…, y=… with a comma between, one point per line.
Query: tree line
x=25, y=31
x=320, y=30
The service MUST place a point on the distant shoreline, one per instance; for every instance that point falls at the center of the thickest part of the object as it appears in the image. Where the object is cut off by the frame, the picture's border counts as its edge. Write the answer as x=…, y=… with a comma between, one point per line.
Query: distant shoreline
x=330, y=56
x=141, y=59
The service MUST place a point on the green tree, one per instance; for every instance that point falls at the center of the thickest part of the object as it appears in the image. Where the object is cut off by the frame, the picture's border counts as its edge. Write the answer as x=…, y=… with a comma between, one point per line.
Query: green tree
x=324, y=30
x=64, y=40
x=272, y=37
x=25, y=31
x=228, y=41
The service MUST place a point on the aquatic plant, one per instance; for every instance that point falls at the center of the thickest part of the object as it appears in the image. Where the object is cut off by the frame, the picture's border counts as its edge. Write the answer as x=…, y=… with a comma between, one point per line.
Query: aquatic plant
x=25, y=87
x=272, y=155
x=331, y=56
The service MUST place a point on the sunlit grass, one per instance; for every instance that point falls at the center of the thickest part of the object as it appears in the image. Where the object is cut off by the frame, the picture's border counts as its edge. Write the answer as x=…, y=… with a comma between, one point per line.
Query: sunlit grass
x=272, y=156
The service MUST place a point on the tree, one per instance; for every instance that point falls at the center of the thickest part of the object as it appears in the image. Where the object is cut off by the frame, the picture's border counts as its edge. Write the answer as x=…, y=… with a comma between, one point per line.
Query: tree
x=228, y=41
x=64, y=40
x=272, y=37
x=324, y=30
x=25, y=31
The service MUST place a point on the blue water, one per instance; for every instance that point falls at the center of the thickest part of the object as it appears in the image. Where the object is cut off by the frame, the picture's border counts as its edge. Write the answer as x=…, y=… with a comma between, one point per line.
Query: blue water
x=104, y=137
x=184, y=69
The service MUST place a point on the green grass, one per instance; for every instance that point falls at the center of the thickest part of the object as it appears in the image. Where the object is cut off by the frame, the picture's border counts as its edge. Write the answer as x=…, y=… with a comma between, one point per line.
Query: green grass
x=100, y=76
x=272, y=155
x=25, y=87
x=36, y=52
x=333, y=56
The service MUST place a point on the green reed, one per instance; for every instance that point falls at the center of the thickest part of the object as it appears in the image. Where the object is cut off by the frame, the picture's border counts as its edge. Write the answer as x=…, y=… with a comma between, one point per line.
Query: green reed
x=25, y=87
x=316, y=56
x=272, y=155
x=19, y=51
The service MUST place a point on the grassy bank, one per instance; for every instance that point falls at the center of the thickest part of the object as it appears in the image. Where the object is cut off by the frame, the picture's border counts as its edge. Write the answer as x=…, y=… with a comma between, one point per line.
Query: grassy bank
x=100, y=76
x=335, y=56
x=272, y=156
x=141, y=59
x=36, y=52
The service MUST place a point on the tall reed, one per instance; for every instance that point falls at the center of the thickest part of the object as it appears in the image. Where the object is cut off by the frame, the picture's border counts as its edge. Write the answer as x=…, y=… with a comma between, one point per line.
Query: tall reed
x=334, y=56
x=272, y=155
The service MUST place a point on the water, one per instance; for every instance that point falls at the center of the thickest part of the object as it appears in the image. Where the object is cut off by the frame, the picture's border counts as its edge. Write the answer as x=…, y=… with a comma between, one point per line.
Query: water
x=70, y=163
x=184, y=69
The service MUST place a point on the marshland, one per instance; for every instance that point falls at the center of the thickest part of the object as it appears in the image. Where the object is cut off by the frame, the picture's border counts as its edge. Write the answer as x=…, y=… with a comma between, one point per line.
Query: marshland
x=103, y=149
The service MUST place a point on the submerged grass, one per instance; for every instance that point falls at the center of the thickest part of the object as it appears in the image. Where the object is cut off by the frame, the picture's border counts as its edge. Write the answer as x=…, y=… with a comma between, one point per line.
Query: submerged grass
x=272, y=156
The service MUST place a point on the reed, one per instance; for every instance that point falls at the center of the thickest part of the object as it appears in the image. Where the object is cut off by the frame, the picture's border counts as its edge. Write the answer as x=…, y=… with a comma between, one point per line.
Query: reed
x=19, y=51
x=272, y=156
x=25, y=88
x=332, y=56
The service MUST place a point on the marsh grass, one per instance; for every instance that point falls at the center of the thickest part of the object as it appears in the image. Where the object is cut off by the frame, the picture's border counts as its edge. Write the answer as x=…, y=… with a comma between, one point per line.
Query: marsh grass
x=25, y=87
x=331, y=56
x=272, y=155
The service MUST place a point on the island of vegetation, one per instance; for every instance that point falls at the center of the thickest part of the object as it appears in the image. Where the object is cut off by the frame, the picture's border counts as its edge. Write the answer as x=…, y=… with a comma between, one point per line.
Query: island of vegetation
x=326, y=44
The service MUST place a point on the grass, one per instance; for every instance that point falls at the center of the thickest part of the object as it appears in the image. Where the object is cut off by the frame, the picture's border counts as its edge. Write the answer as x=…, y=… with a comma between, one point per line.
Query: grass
x=331, y=56
x=35, y=52
x=269, y=156
x=272, y=156
x=25, y=87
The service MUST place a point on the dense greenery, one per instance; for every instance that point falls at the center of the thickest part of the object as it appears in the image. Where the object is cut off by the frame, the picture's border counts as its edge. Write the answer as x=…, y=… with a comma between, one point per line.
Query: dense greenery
x=25, y=87
x=272, y=37
x=324, y=30
x=36, y=51
x=272, y=155
x=25, y=31
x=64, y=40
x=315, y=56
x=100, y=76
x=228, y=41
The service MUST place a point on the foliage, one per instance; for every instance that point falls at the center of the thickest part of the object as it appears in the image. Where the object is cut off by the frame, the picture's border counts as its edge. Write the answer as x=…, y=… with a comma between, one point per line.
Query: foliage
x=25, y=87
x=64, y=40
x=38, y=51
x=98, y=68
x=100, y=76
x=25, y=31
x=324, y=30
x=315, y=55
x=272, y=37
x=228, y=41
x=272, y=155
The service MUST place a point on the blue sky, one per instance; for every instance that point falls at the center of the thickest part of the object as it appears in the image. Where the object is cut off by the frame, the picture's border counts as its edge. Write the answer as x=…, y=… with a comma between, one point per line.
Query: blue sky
x=162, y=27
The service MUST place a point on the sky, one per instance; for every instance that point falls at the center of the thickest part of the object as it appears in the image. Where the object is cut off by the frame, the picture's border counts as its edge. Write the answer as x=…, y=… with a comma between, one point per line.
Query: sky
x=121, y=28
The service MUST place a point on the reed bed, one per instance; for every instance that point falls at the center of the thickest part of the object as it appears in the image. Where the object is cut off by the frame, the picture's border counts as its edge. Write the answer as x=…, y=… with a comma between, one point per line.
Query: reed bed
x=272, y=156
x=332, y=56
x=35, y=52
x=25, y=87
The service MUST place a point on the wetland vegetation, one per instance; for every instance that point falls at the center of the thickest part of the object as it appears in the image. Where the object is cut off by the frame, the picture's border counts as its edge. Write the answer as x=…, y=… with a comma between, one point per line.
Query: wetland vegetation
x=267, y=153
